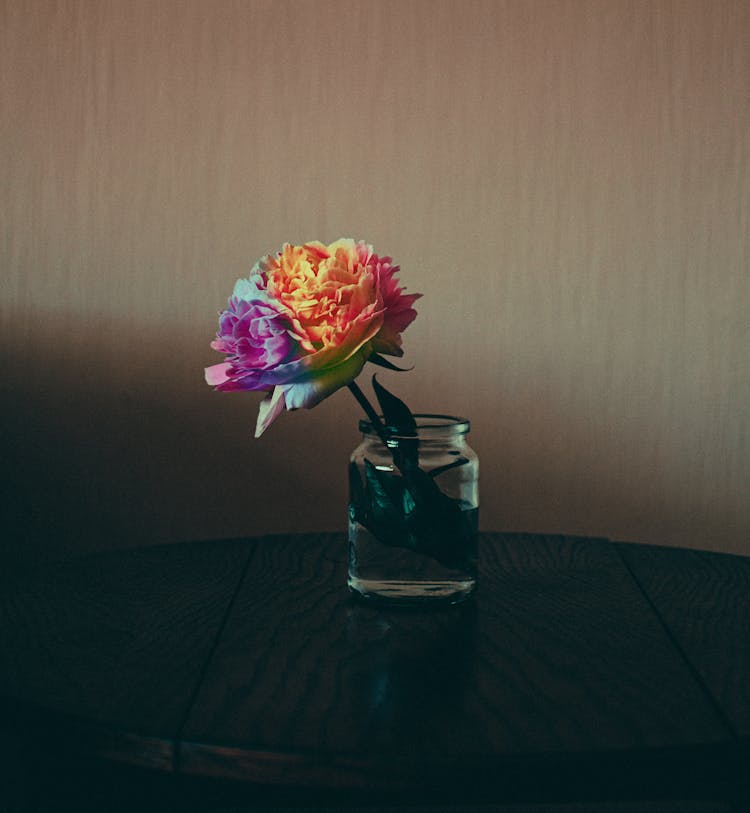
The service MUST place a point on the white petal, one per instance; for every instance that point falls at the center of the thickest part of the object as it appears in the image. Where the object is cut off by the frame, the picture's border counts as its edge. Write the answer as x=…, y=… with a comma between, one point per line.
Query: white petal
x=270, y=409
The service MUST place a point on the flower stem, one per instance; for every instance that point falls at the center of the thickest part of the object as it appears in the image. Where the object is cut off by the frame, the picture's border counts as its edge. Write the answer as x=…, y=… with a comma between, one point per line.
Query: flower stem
x=377, y=424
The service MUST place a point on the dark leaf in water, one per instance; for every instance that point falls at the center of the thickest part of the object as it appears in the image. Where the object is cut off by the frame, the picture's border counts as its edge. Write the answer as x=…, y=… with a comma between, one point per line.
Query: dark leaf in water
x=406, y=508
x=410, y=511
x=436, y=520
x=357, y=506
x=384, y=515
x=384, y=495
x=461, y=461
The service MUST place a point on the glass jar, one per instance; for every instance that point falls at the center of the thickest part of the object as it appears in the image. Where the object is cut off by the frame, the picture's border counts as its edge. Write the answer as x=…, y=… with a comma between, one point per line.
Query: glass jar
x=413, y=512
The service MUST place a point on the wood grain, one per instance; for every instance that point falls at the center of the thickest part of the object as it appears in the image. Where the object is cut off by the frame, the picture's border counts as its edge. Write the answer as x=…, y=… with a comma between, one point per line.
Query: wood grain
x=103, y=654
x=704, y=600
x=559, y=662
x=247, y=660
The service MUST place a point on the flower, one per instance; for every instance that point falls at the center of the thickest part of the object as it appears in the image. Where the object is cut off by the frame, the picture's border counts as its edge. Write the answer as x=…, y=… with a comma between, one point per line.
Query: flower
x=305, y=321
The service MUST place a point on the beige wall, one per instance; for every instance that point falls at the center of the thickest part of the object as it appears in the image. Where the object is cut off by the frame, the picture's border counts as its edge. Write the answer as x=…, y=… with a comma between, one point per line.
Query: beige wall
x=566, y=182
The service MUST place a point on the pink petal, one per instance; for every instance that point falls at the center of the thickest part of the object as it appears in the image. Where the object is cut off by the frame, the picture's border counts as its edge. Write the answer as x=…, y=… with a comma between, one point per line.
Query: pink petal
x=217, y=374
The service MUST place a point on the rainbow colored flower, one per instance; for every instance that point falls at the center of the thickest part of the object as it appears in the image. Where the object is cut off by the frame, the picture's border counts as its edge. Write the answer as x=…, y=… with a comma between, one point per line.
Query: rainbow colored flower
x=305, y=321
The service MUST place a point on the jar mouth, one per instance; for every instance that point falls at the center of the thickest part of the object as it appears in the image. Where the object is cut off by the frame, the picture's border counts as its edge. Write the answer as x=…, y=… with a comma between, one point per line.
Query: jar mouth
x=428, y=425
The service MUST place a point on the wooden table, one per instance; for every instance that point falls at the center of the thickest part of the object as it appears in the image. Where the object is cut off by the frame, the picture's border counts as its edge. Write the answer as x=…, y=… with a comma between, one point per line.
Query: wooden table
x=582, y=669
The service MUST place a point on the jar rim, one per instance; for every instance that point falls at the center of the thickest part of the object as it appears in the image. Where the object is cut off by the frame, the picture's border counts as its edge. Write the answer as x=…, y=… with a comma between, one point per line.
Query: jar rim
x=428, y=423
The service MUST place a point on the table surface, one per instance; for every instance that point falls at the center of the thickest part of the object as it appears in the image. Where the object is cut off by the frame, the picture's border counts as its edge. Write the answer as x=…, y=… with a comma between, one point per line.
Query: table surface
x=581, y=667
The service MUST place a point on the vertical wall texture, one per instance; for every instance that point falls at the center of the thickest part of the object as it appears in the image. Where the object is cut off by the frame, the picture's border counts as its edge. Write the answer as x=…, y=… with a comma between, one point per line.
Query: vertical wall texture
x=566, y=182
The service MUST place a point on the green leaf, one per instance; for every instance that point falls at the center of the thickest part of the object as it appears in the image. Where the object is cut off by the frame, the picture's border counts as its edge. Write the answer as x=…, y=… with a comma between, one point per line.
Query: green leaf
x=436, y=520
x=399, y=421
x=384, y=495
x=384, y=515
x=397, y=415
x=411, y=512
x=406, y=508
x=375, y=358
x=461, y=461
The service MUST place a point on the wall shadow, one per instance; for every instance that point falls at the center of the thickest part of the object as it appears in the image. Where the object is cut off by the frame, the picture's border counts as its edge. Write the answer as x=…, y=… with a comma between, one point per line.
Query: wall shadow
x=110, y=438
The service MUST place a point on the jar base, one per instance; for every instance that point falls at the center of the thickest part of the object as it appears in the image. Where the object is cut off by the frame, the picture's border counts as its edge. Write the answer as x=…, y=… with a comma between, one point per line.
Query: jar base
x=402, y=592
